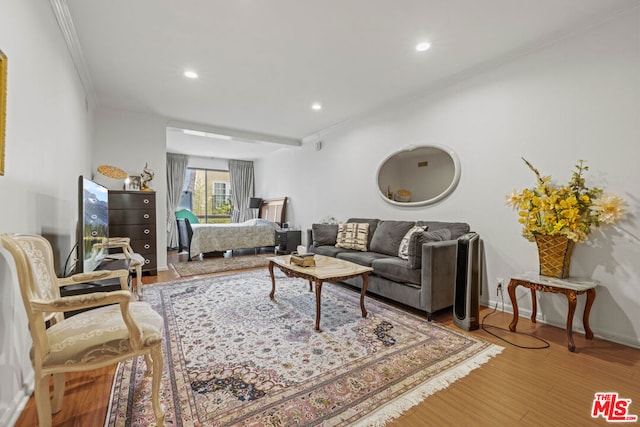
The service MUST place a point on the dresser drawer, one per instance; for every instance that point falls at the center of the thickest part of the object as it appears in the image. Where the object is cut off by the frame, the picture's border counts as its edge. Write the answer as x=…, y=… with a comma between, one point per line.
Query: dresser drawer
x=132, y=200
x=132, y=216
x=142, y=247
x=134, y=232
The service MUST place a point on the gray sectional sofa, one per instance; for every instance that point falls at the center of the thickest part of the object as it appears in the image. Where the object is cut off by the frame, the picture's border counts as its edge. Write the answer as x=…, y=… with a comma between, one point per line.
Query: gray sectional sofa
x=421, y=275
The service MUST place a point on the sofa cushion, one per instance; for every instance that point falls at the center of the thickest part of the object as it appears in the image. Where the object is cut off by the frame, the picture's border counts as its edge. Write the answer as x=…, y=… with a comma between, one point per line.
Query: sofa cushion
x=362, y=258
x=418, y=239
x=388, y=235
x=324, y=234
x=327, y=250
x=403, y=249
x=373, y=223
x=397, y=270
x=457, y=228
x=353, y=236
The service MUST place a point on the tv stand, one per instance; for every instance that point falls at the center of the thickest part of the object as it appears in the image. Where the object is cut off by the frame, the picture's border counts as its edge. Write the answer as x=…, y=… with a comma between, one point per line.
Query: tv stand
x=107, y=285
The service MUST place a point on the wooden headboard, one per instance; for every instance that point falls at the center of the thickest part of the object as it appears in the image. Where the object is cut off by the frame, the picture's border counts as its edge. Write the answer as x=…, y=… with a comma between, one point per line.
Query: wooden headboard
x=274, y=210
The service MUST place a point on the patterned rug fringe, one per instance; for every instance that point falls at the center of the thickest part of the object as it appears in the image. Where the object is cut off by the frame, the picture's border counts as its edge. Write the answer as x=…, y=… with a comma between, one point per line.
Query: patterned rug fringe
x=397, y=407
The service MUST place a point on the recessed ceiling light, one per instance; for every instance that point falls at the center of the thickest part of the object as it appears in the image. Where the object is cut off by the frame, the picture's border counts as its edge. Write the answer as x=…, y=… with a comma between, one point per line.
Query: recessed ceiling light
x=191, y=74
x=316, y=106
x=421, y=47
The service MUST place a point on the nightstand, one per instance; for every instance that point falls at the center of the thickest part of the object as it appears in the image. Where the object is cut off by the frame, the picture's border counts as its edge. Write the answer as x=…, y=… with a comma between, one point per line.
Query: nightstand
x=287, y=240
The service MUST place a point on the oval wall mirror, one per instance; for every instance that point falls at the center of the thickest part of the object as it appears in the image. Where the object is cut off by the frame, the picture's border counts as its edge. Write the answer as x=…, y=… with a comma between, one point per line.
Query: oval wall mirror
x=418, y=175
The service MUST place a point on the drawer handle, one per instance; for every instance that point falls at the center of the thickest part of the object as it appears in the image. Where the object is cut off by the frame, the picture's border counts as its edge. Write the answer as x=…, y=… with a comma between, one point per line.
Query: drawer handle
x=146, y=261
x=147, y=231
x=146, y=216
x=145, y=201
x=147, y=246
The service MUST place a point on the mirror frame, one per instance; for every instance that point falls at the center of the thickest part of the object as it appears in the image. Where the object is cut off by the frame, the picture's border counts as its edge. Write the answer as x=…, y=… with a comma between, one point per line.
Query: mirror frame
x=447, y=191
x=3, y=107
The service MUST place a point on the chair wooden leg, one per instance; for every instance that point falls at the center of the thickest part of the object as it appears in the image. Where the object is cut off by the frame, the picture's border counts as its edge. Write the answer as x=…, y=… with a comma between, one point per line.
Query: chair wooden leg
x=139, y=281
x=149, y=363
x=43, y=404
x=156, y=355
x=58, y=393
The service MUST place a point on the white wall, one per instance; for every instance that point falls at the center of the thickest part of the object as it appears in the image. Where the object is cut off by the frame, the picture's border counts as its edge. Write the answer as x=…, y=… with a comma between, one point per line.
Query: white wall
x=47, y=147
x=578, y=98
x=130, y=140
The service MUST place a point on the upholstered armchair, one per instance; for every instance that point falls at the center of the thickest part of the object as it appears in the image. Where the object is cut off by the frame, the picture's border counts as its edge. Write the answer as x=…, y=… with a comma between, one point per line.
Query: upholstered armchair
x=101, y=336
x=136, y=260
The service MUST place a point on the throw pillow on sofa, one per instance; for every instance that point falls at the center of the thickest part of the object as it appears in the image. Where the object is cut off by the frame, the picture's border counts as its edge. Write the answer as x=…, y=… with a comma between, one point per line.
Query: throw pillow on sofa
x=403, y=250
x=388, y=235
x=353, y=236
x=418, y=239
x=324, y=234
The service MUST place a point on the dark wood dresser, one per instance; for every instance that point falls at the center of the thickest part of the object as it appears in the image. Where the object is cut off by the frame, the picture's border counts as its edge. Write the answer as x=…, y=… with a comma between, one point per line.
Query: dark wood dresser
x=133, y=214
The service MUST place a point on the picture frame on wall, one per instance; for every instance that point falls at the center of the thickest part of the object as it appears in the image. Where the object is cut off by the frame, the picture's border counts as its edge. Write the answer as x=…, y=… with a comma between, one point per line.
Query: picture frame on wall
x=133, y=183
x=3, y=107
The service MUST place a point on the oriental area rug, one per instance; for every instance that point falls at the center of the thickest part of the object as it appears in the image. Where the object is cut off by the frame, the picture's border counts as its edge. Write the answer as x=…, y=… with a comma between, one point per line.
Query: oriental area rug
x=233, y=356
x=217, y=265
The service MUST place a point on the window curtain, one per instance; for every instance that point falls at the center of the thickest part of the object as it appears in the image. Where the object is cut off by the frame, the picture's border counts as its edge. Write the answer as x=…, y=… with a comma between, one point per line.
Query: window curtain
x=176, y=173
x=241, y=177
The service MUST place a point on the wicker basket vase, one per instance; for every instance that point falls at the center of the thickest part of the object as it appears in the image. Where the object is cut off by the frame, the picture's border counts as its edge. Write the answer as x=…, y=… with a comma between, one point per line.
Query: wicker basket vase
x=555, y=255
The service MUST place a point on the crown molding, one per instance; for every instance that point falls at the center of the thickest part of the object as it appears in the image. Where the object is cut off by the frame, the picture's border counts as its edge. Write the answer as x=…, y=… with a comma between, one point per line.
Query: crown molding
x=68, y=30
x=236, y=134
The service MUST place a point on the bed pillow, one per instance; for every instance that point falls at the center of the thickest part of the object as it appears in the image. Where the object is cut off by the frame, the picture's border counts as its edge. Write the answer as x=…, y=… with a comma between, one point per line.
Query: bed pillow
x=261, y=222
x=353, y=235
x=403, y=249
x=418, y=239
x=324, y=234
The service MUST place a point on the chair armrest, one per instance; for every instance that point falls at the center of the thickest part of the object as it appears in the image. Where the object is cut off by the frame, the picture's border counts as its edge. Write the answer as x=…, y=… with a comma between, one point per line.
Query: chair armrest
x=92, y=300
x=79, y=302
x=94, y=276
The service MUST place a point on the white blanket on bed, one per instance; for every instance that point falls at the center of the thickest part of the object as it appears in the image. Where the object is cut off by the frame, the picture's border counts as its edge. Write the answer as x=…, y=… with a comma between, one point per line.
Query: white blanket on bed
x=254, y=233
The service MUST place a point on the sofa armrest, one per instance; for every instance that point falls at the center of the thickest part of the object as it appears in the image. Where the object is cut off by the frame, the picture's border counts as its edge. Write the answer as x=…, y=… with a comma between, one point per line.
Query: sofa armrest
x=438, y=274
x=309, y=239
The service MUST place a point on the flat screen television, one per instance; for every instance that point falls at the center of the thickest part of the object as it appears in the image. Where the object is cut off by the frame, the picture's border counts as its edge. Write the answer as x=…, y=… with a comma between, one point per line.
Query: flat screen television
x=93, y=224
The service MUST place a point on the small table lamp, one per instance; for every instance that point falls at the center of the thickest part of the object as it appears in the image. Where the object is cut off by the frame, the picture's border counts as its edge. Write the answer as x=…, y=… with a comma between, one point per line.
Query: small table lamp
x=255, y=202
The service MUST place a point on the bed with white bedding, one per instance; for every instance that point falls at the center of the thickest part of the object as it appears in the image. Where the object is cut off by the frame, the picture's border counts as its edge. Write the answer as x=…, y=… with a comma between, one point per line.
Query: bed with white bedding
x=254, y=233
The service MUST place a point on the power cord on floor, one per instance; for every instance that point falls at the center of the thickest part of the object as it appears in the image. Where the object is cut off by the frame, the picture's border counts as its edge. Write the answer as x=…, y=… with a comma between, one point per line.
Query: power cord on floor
x=485, y=326
x=65, y=271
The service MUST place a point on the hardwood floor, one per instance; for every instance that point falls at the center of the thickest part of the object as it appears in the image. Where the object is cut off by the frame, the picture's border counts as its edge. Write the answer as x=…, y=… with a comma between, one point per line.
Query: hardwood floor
x=544, y=387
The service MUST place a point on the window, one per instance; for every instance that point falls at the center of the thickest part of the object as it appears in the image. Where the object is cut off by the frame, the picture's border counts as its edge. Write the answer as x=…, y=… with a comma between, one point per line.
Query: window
x=210, y=195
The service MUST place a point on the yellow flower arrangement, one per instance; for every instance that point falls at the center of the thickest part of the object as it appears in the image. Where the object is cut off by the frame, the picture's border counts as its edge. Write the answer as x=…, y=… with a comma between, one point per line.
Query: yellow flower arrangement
x=570, y=210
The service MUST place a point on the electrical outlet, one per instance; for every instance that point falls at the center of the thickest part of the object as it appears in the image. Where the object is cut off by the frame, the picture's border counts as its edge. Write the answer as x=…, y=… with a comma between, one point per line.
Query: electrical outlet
x=500, y=281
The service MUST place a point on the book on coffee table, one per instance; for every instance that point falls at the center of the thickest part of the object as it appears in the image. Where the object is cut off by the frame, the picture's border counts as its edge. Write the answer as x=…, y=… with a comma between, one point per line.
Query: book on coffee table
x=304, y=260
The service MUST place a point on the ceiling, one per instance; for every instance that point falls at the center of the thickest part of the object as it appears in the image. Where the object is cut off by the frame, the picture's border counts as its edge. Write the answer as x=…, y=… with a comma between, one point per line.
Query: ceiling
x=261, y=64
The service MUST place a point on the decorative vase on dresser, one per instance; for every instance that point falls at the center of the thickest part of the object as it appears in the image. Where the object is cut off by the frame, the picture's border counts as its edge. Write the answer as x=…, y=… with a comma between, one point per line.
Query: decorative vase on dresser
x=133, y=214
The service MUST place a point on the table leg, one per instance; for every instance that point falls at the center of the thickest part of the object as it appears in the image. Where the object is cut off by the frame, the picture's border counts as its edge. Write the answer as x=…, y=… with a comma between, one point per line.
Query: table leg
x=514, y=303
x=365, y=283
x=534, y=306
x=572, y=299
x=273, y=279
x=310, y=285
x=318, y=291
x=591, y=296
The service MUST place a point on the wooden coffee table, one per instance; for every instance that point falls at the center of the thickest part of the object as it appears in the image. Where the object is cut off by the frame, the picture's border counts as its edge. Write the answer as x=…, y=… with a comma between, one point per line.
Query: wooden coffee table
x=327, y=269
